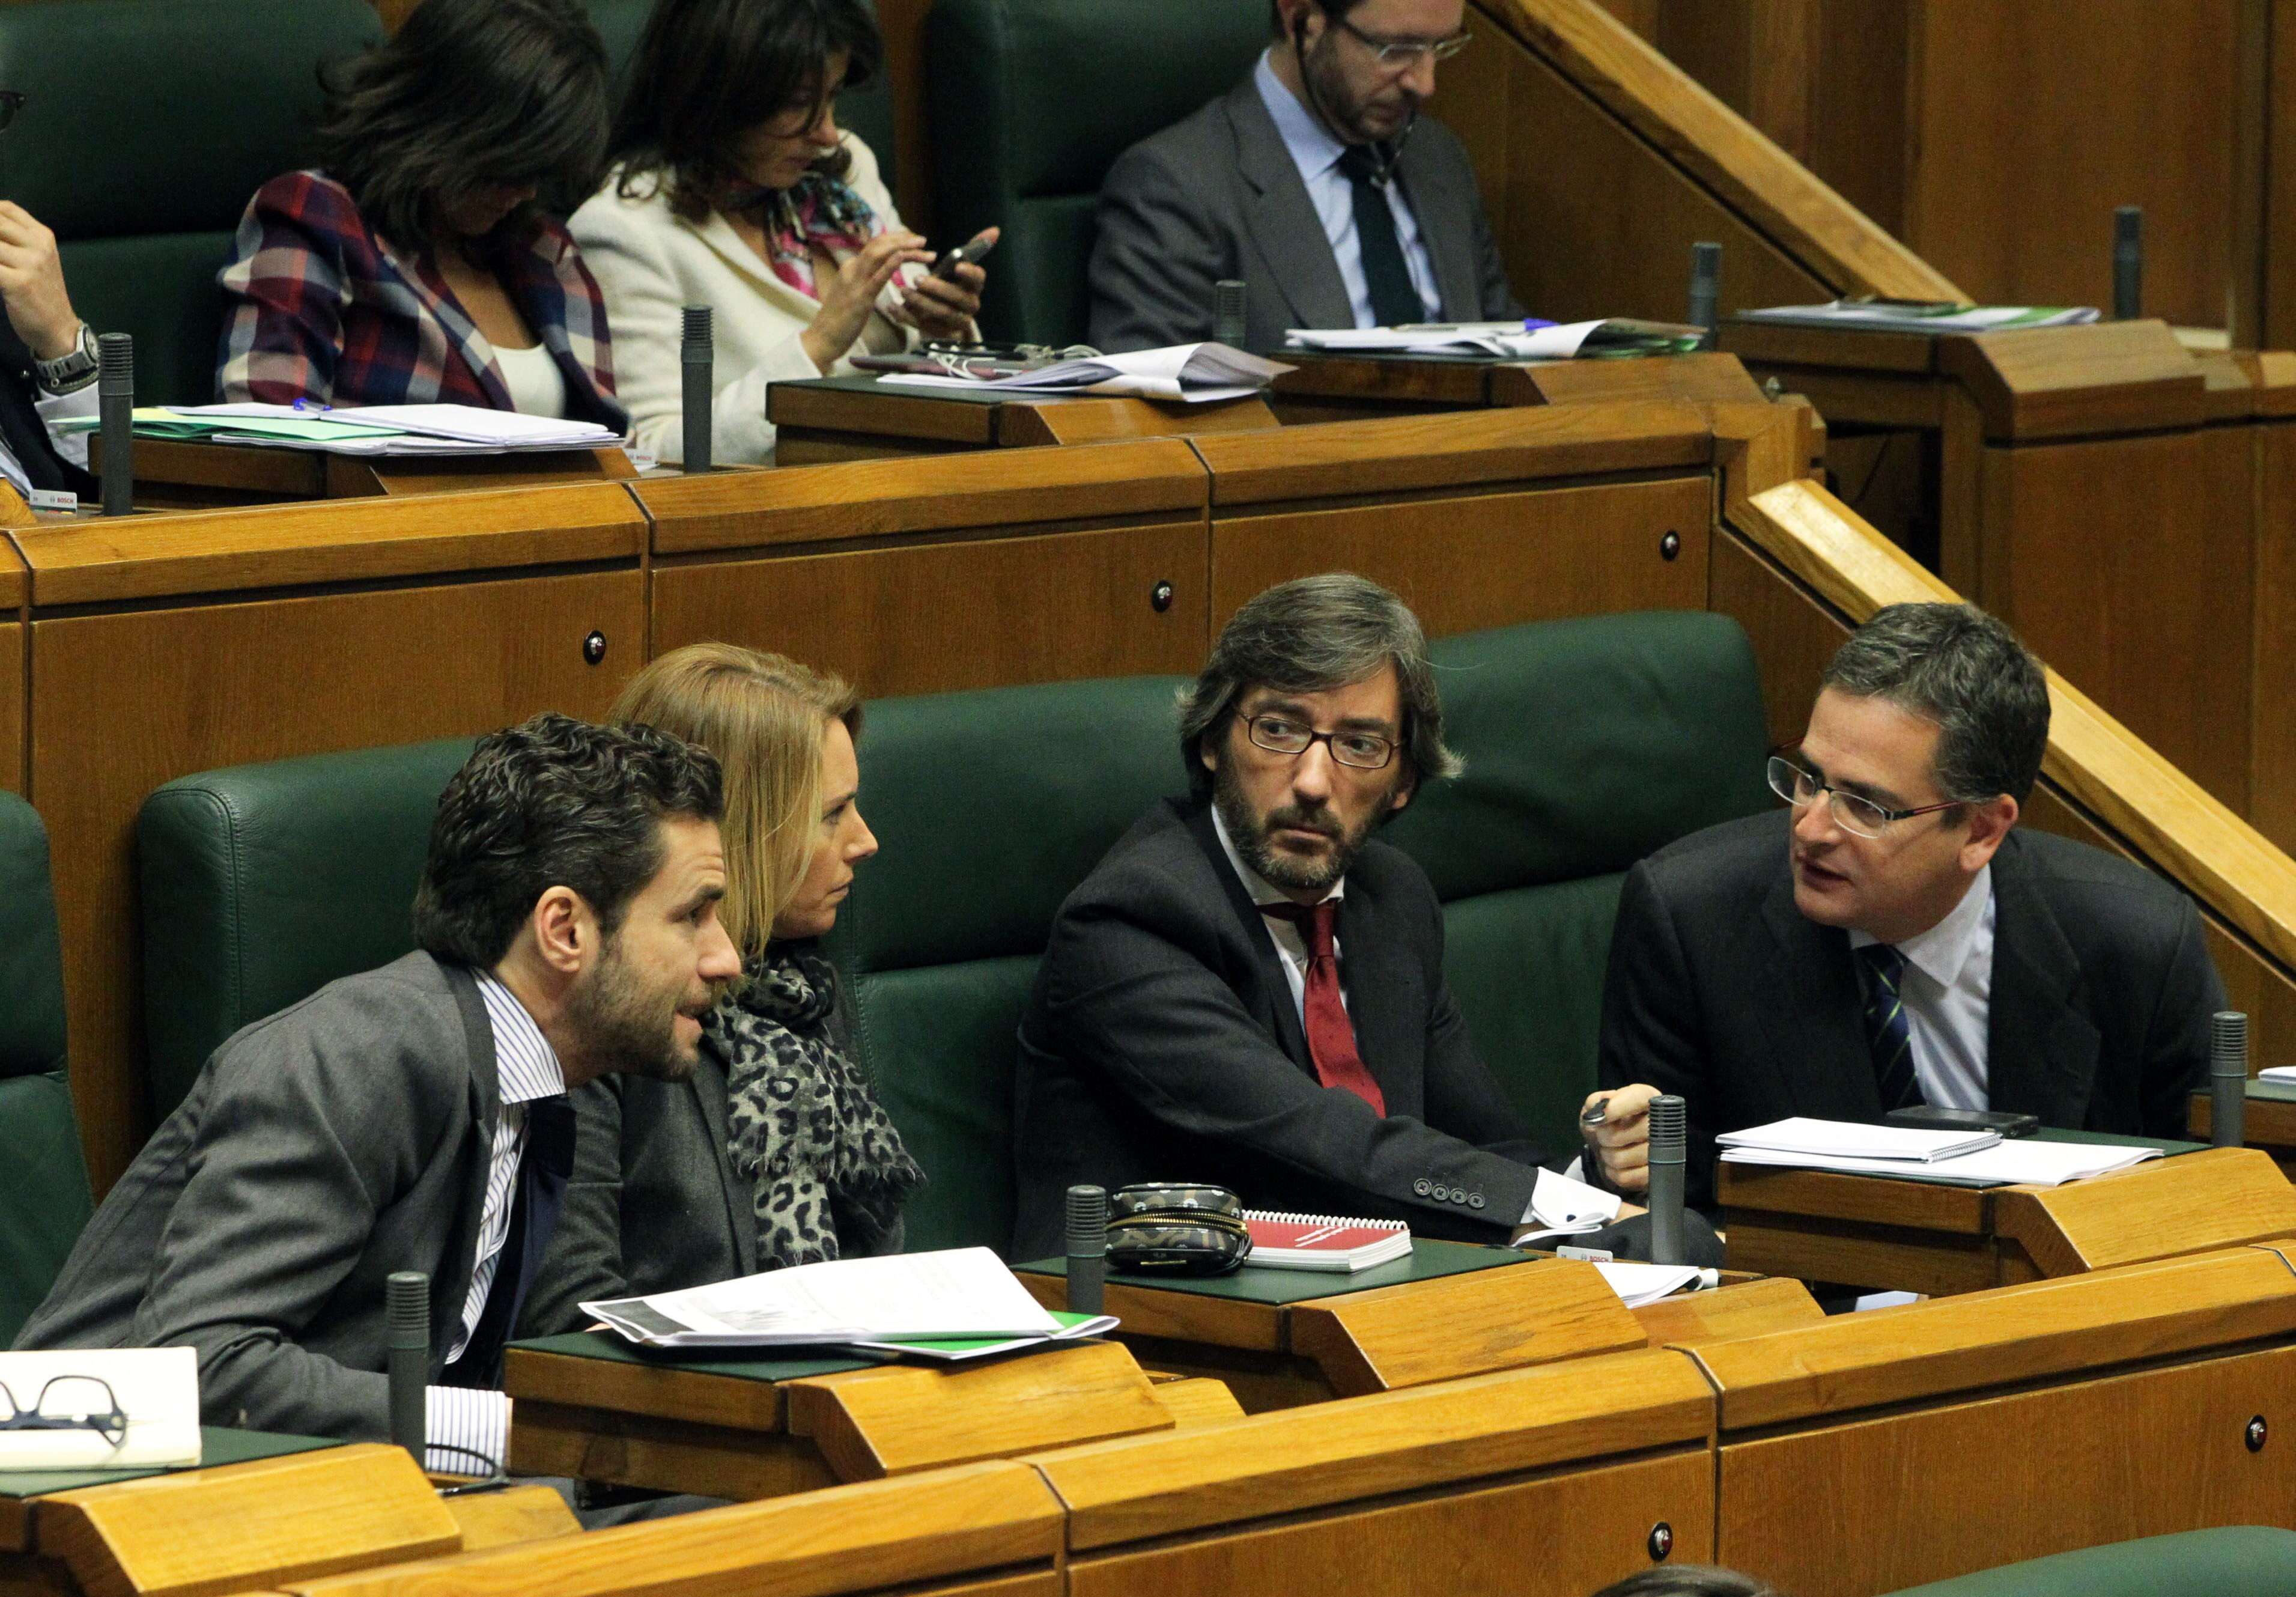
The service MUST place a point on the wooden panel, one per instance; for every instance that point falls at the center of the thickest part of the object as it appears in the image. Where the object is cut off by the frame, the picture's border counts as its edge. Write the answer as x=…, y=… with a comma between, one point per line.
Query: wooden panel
x=1742, y=1309
x=1195, y=1402
x=99, y=561
x=872, y=498
x=121, y=704
x=2009, y=1334
x=1148, y=1311
x=2272, y=792
x=1559, y=1535
x=821, y=407
x=897, y=1420
x=1827, y=1195
x=13, y=774
x=1020, y=423
x=15, y=587
x=663, y=1391
x=306, y=1515
x=1710, y=378
x=1395, y=1337
x=1880, y=1258
x=1793, y=637
x=661, y=1455
x=2027, y=133
x=2219, y=1198
x=2278, y=196
x=1490, y=559
x=1327, y=1454
x=1456, y=449
x=511, y=1516
x=1706, y=144
x=934, y=617
x=2060, y=382
x=1892, y=1502
x=965, y=1521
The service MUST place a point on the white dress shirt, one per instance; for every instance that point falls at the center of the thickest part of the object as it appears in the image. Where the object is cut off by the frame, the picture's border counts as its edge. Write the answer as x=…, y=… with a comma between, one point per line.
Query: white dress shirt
x=525, y=1068
x=72, y=446
x=1291, y=944
x=1316, y=153
x=1948, y=991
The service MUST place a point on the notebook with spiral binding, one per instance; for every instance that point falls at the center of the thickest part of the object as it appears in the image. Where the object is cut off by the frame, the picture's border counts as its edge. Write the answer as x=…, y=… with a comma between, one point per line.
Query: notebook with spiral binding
x=1324, y=1241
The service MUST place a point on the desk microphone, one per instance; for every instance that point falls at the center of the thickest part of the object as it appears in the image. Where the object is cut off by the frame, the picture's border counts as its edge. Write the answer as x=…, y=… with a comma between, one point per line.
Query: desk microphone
x=2227, y=1078
x=1705, y=288
x=115, y=390
x=2128, y=263
x=696, y=354
x=407, y=1315
x=1087, y=1249
x=1669, y=1119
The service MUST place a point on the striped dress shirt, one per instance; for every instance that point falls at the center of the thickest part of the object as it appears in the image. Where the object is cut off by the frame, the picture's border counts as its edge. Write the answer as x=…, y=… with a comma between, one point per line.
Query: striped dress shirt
x=525, y=1068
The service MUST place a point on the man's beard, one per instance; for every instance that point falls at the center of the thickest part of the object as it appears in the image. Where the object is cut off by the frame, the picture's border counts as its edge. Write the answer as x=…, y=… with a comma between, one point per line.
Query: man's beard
x=628, y=1029
x=1337, y=104
x=1250, y=835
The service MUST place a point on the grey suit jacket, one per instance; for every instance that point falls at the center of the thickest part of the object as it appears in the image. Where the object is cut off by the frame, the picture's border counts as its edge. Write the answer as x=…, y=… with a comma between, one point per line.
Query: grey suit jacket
x=654, y=1205
x=1720, y=990
x=1218, y=196
x=319, y=1150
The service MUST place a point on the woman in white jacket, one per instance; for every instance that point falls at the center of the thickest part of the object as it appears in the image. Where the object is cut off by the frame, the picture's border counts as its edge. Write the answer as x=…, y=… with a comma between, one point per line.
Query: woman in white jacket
x=732, y=186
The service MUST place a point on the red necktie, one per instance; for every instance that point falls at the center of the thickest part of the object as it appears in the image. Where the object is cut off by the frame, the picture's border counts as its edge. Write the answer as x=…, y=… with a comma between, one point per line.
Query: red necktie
x=1331, y=1035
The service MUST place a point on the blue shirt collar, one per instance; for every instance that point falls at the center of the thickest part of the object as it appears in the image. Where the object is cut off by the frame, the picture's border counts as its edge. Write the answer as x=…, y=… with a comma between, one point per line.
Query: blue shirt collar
x=1314, y=151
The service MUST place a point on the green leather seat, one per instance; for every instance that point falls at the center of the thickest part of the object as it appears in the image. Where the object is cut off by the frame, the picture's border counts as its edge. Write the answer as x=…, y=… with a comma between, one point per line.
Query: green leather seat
x=1030, y=103
x=147, y=127
x=867, y=112
x=2237, y=1560
x=48, y=1193
x=263, y=883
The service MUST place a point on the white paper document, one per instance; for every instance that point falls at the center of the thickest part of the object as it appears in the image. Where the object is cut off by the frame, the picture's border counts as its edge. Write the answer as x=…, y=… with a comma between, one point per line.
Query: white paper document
x=1564, y=1207
x=157, y=1389
x=393, y=429
x=2279, y=1075
x=1192, y=373
x=962, y=1292
x=1530, y=340
x=2020, y=1162
x=1923, y=318
x=1854, y=1139
x=1638, y=1285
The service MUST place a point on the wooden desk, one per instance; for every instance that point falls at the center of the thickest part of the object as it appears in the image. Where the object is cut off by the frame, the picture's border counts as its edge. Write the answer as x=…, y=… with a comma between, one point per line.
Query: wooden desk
x=1923, y=1236
x=2269, y=1122
x=826, y=419
x=1334, y=387
x=183, y=474
x=590, y=1406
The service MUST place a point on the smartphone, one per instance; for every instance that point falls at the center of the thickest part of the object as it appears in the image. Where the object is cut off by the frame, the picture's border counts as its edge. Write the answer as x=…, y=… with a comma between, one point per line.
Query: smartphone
x=2008, y=1122
x=974, y=251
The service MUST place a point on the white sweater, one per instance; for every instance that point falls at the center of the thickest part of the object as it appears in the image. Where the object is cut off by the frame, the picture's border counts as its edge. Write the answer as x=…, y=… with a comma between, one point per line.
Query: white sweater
x=652, y=264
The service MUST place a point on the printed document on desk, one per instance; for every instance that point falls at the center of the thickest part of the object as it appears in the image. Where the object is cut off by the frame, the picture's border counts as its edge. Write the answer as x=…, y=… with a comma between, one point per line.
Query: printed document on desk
x=961, y=1292
x=1884, y=316
x=1530, y=339
x=156, y=1388
x=1192, y=373
x=1849, y=1138
x=375, y=430
x=2021, y=1163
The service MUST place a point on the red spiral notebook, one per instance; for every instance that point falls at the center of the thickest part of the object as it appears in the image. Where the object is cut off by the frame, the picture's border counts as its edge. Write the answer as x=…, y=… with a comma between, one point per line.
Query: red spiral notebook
x=1324, y=1241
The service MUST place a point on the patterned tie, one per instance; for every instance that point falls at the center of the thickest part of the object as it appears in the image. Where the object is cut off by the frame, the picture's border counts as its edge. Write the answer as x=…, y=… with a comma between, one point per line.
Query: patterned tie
x=1331, y=1034
x=1887, y=1033
x=1393, y=300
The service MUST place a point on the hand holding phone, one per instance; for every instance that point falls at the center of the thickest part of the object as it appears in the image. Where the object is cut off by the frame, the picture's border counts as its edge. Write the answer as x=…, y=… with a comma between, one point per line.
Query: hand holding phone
x=971, y=253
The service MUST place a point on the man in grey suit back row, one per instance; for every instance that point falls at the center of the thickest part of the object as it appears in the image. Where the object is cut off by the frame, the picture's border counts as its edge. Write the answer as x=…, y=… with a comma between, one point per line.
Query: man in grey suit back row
x=1316, y=181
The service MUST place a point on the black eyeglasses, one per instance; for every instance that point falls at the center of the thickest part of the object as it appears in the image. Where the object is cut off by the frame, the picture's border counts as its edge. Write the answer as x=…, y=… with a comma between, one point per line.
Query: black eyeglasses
x=1280, y=735
x=12, y=101
x=70, y=1403
x=1800, y=785
x=1400, y=54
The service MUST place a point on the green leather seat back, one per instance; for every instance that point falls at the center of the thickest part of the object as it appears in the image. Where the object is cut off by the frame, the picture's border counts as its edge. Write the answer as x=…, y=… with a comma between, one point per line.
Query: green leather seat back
x=867, y=112
x=990, y=808
x=1588, y=744
x=2236, y=1560
x=263, y=883
x=1032, y=100
x=47, y=1200
x=147, y=127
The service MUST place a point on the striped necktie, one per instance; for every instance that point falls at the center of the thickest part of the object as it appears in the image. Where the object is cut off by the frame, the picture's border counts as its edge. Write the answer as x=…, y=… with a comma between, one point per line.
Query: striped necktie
x=1887, y=1033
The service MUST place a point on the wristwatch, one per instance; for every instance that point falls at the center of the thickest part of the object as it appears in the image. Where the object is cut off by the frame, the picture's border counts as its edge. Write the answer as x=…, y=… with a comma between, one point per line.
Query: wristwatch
x=71, y=371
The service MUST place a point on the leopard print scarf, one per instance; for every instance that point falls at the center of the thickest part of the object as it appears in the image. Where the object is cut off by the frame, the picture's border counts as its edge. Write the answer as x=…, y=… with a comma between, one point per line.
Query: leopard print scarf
x=828, y=1172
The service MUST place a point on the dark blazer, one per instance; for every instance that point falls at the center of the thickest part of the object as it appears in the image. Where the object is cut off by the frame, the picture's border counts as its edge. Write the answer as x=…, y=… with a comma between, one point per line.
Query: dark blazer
x=21, y=425
x=1720, y=990
x=654, y=1205
x=1160, y=1043
x=318, y=1151
x=1218, y=195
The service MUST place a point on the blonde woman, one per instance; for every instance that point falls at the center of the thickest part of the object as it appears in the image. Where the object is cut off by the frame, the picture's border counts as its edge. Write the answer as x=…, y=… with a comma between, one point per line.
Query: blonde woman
x=775, y=1150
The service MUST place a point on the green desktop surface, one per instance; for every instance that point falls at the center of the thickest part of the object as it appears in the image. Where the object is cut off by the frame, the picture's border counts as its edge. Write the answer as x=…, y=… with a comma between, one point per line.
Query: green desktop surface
x=217, y=1447
x=770, y=1364
x=2273, y=1092
x=1429, y=1260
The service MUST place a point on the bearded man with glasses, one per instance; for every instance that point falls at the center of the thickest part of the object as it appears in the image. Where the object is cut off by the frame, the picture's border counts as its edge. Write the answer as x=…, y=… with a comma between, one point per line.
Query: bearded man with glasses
x=1248, y=990
x=1316, y=181
x=1891, y=939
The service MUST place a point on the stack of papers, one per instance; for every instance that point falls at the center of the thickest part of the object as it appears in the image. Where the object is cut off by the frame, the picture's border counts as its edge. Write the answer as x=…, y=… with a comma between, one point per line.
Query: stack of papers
x=157, y=1389
x=1905, y=317
x=1190, y=372
x=963, y=1295
x=1562, y=1207
x=1881, y=1150
x=1529, y=339
x=377, y=430
x=1639, y=1285
x=2279, y=1075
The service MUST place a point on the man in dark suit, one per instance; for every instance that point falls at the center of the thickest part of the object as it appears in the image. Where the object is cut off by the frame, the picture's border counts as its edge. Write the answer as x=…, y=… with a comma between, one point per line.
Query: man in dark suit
x=1316, y=181
x=1248, y=990
x=47, y=355
x=413, y=1118
x=1893, y=940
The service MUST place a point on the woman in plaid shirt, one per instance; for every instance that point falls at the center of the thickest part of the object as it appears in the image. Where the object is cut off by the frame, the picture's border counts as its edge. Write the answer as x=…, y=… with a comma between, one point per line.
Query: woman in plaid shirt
x=415, y=267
